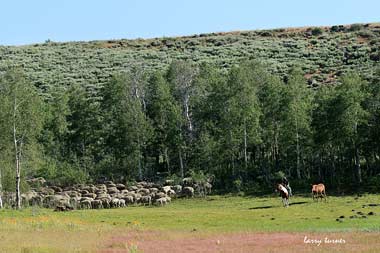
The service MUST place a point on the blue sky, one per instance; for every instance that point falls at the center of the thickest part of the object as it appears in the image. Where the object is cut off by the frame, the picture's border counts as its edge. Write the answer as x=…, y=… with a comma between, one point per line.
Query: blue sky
x=32, y=21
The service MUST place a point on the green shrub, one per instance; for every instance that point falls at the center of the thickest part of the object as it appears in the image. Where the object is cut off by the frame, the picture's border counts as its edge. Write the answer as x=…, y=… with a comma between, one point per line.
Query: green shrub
x=237, y=185
x=279, y=175
x=337, y=28
x=63, y=173
x=316, y=31
x=355, y=27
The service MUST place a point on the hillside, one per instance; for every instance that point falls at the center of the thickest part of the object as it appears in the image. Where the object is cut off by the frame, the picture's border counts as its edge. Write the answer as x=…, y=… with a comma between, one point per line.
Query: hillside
x=324, y=53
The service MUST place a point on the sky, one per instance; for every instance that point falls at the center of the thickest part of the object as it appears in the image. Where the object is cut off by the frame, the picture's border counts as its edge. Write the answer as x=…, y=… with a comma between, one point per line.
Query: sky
x=35, y=21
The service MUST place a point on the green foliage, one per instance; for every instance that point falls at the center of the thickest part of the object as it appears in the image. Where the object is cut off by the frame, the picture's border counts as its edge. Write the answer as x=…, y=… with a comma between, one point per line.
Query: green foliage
x=165, y=117
x=125, y=127
x=91, y=64
x=177, y=106
x=316, y=31
x=237, y=185
x=356, y=27
x=177, y=180
x=199, y=177
x=21, y=122
x=279, y=175
x=64, y=174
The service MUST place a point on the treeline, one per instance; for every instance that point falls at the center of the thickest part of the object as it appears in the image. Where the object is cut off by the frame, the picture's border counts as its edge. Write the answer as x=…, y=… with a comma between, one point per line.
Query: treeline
x=244, y=128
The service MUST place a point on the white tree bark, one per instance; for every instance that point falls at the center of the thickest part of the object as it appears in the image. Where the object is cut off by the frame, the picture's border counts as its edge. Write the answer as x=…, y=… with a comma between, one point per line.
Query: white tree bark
x=1, y=191
x=245, y=146
x=181, y=164
x=17, y=156
x=298, y=152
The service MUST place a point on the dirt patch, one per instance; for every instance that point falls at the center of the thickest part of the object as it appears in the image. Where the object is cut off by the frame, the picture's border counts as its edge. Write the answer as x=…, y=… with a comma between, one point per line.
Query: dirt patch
x=154, y=241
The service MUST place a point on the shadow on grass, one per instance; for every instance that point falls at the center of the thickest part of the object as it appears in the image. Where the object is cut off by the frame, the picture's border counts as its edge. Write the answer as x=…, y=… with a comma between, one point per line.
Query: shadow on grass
x=260, y=207
x=267, y=207
x=298, y=203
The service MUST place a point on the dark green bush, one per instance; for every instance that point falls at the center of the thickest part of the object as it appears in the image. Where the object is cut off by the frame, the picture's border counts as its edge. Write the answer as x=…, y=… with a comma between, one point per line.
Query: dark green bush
x=356, y=27
x=316, y=31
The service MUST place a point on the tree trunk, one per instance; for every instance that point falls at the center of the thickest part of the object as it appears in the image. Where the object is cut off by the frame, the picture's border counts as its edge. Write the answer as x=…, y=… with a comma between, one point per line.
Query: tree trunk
x=245, y=147
x=357, y=166
x=139, y=159
x=1, y=191
x=167, y=159
x=17, y=157
x=298, y=152
x=181, y=163
x=140, y=169
x=188, y=117
x=276, y=152
x=18, y=168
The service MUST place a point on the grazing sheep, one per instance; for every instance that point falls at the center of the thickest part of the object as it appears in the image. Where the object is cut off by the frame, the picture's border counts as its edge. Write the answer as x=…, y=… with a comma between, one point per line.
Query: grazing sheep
x=110, y=184
x=96, y=204
x=39, y=181
x=47, y=191
x=159, y=195
x=177, y=188
x=112, y=190
x=110, y=194
x=83, y=192
x=51, y=201
x=106, y=203
x=115, y=202
x=85, y=204
x=142, y=184
x=63, y=208
x=166, y=189
x=103, y=195
x=69, y=188
x=171, y=193
x=120, y=187
x=161, y=201
x=89, y=195
x=133, y=188
x=143, y=191
x=74, y=201
x=153, y=190
x=27, y=197
x=169, y=182
x=36, y=201
x=117, y=195
x=72, y=193
x=122, y=203
x=146, y=200
x=56, y=188
x=188, y=191
x=208, y=187
x=124, y=191
x=90, y=189
x=128, y=199
x=137, y=197
x=86, y=198
x=187, y=181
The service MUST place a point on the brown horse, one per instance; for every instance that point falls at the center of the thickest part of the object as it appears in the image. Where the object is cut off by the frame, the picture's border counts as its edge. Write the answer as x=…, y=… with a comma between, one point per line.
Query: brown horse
x=284, y=194
x=318, y=190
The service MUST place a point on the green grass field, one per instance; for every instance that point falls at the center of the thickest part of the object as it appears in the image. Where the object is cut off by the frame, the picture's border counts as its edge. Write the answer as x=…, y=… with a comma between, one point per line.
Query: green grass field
x=42, y=230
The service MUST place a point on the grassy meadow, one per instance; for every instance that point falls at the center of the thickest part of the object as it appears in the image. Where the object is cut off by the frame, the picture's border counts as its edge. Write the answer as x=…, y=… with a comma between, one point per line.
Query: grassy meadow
x=42, y=230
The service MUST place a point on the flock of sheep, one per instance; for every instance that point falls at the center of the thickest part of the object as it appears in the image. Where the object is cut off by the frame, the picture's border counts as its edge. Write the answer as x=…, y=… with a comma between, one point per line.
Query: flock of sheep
x=110, y=195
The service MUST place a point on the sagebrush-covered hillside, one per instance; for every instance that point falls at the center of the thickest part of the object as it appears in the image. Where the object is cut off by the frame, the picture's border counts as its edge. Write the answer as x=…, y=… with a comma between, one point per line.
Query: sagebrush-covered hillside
x=324, y=53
